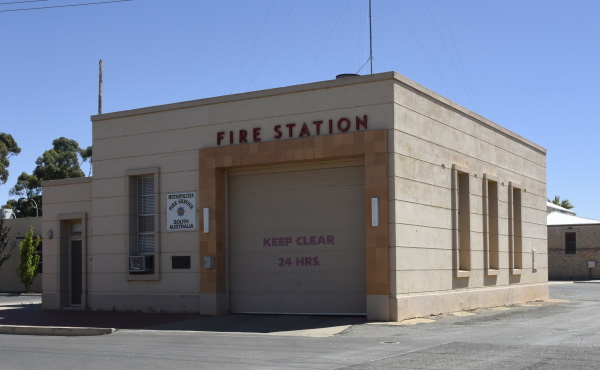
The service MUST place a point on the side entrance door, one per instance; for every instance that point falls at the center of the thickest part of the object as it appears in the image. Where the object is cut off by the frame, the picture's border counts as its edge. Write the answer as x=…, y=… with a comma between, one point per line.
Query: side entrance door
x=75, y=272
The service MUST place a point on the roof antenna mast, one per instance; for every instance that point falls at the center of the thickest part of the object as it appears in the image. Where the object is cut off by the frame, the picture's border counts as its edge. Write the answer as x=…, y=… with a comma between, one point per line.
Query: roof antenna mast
x=370, y=44
x=370, y=39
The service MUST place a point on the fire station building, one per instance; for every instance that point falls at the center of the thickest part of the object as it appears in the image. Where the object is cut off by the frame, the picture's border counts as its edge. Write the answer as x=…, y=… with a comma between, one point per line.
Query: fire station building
x=367, y=195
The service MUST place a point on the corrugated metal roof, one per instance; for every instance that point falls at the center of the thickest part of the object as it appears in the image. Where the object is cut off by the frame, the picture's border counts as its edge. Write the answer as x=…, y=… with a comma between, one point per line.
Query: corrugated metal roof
x=553, y=207
x=559, y=218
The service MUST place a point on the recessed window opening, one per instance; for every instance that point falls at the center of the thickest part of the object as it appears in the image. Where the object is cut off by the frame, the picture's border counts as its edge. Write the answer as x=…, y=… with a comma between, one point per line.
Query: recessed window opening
x=517, y=228
x=570, y=243
x=493, y=222
x=463, y=221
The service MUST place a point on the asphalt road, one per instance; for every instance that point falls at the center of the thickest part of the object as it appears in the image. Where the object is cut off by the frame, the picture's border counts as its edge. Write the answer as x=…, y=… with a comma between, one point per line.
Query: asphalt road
x=561, y=334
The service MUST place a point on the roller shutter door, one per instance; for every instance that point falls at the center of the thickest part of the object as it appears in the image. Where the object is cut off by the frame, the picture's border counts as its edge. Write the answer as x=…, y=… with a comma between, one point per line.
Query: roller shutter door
x=297, y=241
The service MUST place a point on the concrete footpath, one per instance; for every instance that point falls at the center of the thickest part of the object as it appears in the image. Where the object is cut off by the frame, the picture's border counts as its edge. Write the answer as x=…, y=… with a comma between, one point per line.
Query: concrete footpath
x=22, y=314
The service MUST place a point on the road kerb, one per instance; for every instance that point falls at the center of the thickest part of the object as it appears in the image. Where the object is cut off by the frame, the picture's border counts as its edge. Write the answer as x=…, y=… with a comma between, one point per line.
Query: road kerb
x=54, y=330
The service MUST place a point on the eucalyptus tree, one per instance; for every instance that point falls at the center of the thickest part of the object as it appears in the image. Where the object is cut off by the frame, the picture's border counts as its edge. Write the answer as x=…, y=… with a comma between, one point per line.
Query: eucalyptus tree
x=62, y=161
x=8, y=148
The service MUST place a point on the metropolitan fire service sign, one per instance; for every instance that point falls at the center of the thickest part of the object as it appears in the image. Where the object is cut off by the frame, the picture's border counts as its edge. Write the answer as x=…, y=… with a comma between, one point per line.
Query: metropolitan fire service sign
x=181, y=211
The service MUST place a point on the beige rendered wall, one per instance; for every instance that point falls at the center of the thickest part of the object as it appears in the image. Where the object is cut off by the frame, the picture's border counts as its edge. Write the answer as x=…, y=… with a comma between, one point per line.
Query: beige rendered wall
x=169, y=138
x=427, y=134
x=9, y=281
x=573, y=266
x=64, y=200
x=432, y=134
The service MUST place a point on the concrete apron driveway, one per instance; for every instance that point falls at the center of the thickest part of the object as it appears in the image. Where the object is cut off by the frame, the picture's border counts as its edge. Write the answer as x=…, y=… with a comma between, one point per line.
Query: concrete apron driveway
x=22, y=314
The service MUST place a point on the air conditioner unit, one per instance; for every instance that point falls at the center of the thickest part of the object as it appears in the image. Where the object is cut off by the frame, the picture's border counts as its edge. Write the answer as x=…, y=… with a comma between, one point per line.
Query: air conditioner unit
x=141, y=263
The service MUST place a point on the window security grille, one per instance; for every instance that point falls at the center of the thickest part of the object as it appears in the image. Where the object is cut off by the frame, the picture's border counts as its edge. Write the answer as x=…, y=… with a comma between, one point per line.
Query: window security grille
x=145, y=214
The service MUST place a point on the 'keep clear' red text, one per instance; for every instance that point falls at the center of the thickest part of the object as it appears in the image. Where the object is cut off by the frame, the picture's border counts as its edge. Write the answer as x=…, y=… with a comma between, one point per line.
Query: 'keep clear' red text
x=284, y=241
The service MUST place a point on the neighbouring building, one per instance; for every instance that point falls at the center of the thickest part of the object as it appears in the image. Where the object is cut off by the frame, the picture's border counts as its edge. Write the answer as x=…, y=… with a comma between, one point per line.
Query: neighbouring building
x=367, y=195
x=9, y=280
x=573, y=245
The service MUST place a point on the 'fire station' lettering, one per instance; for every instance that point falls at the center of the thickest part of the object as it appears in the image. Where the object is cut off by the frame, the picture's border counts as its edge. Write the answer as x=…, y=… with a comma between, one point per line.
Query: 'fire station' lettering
x=294, y=130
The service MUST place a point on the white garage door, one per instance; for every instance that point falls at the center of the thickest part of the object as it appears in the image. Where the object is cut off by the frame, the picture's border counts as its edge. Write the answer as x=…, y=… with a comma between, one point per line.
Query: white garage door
x=297, y=240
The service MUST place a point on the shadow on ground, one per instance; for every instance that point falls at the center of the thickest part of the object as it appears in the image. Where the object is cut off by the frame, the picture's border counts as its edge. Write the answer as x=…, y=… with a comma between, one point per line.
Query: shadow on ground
x=33, y=315
x=262, y=323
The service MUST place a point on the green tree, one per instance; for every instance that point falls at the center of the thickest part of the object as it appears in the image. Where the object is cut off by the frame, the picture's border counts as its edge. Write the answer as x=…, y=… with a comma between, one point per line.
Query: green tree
x=8, y=148
x=63, y=161
x=86, y=155
x=29, y=190
x=561, y=203
x=30, y=259
x=5, y=250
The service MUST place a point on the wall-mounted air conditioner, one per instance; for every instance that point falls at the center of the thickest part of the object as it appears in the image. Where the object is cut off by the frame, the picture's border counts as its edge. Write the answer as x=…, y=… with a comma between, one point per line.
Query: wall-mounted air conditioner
x=141, y=263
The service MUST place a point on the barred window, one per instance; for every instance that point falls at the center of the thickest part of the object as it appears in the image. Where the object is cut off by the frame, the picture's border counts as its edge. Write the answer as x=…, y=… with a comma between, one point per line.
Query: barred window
x=145, y=215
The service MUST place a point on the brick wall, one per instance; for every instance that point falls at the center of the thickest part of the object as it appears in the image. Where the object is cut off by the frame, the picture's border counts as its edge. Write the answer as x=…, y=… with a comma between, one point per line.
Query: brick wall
x=562, y=265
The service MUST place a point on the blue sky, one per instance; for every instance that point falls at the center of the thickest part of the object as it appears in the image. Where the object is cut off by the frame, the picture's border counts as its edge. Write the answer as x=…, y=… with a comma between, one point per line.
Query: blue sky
x=530, y=66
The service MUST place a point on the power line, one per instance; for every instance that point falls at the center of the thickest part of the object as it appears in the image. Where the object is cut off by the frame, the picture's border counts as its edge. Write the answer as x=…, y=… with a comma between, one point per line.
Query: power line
x=63, y=6
x=253, y=44
x=423, y=48
x=326, y=40
x=20, y=2
x=462, y=66
x=273, y=43
x=449, y=54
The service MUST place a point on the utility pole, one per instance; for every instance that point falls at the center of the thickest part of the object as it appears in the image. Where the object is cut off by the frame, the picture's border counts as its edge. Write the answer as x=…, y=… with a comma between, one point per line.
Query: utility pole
x=100, y=88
